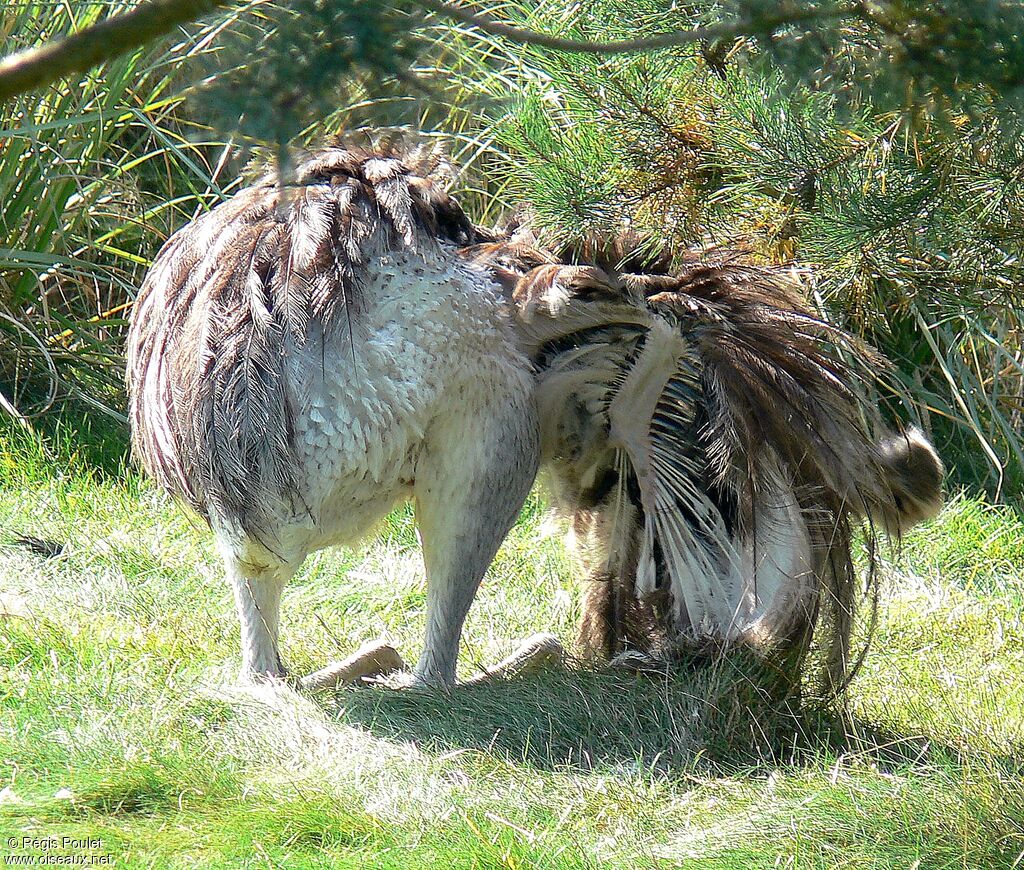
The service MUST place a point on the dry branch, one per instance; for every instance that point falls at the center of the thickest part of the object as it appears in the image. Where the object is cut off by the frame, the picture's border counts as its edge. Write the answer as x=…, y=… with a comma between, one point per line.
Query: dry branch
x=36, y=67
x=524, y=36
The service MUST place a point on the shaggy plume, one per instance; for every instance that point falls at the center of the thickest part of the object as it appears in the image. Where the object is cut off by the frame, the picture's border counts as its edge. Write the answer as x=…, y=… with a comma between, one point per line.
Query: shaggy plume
x=231, y=294
x=704, y=430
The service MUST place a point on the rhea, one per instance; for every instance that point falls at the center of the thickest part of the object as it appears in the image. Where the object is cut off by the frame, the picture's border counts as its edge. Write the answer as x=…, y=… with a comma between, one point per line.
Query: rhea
x=308, y=355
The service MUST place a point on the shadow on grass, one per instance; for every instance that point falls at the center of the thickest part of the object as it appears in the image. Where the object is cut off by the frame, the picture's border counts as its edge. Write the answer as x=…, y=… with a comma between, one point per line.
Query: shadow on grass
x=697, y=719
x=73, y=437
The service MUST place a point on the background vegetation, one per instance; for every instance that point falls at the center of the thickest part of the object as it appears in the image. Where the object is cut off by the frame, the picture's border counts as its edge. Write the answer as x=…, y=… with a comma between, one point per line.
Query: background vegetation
x=881, y=149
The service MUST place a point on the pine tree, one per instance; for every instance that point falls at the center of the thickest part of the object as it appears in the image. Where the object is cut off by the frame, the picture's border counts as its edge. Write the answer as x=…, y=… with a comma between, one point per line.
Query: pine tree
x=897, y=179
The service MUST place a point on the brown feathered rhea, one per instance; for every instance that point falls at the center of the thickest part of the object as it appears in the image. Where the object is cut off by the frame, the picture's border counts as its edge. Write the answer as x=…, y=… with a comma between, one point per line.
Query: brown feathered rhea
x=310, y=353
x=705, y=432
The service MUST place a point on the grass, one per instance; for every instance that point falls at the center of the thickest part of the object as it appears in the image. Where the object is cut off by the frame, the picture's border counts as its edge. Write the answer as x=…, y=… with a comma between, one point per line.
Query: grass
x=95, y=173
x=120, y=720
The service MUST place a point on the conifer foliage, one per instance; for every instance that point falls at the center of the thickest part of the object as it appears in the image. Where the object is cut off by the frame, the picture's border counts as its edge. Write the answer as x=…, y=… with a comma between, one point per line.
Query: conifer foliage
x=877, y=142
x=882, y=151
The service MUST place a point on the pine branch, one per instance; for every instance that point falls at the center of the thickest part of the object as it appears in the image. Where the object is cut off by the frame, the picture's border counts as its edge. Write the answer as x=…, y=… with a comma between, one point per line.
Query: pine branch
x=35, y=67
x=762, y=25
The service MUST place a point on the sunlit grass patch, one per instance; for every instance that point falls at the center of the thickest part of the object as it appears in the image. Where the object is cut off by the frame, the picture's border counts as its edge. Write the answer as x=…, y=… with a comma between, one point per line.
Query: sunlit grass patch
x=119, y=717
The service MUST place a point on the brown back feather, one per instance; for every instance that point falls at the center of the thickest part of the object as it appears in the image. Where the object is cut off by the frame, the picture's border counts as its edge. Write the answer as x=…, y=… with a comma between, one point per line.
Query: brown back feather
x=230, y=294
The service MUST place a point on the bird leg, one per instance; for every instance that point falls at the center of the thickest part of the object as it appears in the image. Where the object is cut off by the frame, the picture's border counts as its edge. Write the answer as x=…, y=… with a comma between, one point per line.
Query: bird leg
x=377, y=659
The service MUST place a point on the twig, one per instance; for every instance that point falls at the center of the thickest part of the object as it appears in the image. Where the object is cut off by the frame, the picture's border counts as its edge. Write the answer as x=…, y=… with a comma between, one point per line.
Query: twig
x=35, y=67
x=764, y=25
x=98, y=318
x=8, y=406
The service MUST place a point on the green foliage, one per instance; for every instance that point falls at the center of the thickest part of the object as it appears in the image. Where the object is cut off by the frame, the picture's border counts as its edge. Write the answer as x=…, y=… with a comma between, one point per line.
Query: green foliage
x=910, y=221
x=877, y=143
x=94, y=174
x=920, y=56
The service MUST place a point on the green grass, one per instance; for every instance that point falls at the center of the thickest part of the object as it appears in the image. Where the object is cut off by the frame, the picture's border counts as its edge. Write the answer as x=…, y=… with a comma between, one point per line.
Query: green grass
x=95, y=174
x=117, y=661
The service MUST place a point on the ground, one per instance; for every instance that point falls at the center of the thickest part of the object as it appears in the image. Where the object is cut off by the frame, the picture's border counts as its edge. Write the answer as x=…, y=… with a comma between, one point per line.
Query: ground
x=119, y=721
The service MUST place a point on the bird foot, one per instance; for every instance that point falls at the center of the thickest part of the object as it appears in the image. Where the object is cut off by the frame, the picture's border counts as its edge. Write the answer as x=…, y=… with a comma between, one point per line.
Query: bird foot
x=534, y=653
x=375, y=659
x=380, y=662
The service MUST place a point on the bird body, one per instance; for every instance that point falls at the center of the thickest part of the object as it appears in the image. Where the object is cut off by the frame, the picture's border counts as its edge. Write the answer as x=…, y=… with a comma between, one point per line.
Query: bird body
x=426, y=327
x=303, y=358
x=709, y=439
